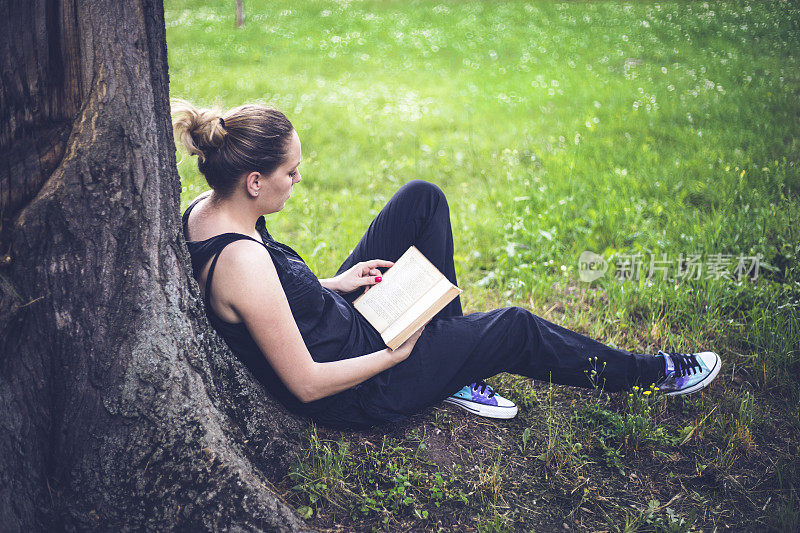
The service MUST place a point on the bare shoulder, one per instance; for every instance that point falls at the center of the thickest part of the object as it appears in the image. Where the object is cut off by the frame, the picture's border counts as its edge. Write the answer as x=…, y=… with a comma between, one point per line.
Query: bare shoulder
x=246, y=259
x=198, y=226
x=244, y=275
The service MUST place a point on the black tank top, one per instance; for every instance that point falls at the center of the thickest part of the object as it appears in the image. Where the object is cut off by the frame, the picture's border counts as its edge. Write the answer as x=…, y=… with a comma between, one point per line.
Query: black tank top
x=331, y=328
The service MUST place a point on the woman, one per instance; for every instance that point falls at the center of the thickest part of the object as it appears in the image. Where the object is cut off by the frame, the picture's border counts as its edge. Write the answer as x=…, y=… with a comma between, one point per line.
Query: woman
x=301, y=336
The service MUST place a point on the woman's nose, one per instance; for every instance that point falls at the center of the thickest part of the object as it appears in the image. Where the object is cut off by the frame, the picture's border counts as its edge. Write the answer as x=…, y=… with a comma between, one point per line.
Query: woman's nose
x=298, y=177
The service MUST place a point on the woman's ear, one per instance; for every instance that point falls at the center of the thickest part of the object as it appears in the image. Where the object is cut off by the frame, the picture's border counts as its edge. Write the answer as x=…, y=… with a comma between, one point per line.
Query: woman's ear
x=253, y=183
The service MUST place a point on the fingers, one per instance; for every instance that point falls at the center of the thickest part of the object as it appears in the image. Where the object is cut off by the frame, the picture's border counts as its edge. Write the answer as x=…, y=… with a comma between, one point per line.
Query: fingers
x=370, y=268
x=409, y=343
x=416, y=335
x=378, y=263
x=369, y=275
x=370, y=280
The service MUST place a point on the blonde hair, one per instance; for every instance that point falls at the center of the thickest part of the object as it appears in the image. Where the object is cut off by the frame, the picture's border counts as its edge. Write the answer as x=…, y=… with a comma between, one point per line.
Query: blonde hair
x=248, y=138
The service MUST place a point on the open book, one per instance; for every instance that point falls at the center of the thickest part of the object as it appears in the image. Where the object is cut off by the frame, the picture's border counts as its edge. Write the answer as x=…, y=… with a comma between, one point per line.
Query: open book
x=411, y=293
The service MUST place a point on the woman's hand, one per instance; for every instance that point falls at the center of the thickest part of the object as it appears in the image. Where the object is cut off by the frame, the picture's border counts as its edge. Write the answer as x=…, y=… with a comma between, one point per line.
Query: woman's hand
x=364, y=274
x=402, y=352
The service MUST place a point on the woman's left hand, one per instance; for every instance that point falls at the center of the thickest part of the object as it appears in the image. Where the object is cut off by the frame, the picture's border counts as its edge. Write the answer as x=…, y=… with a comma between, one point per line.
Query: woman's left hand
x=364, y=274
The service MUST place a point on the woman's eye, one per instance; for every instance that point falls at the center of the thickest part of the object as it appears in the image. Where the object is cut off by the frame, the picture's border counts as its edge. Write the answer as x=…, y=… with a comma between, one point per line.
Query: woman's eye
x=293, y=173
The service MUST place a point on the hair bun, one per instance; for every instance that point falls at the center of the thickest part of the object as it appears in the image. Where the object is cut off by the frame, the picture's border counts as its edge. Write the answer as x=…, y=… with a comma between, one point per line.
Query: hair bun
x=199, y=130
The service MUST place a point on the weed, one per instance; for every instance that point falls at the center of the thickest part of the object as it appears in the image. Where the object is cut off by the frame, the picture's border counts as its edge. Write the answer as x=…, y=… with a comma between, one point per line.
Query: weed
x=561, y=446
x=494, y=521
x=526, y=437
x=490, y=479
x=595, y=376
x=657, y=518
x=669, y=522
x=639, y=426
x=612, y=457
x=442, y=419
x=636, y=427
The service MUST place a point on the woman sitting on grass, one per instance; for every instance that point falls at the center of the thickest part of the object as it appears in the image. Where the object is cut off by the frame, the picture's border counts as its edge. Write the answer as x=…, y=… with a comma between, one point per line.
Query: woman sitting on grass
x=303, y=339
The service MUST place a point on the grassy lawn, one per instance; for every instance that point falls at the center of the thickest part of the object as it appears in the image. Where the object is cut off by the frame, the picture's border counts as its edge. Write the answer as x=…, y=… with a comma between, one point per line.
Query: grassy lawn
x=664, y=137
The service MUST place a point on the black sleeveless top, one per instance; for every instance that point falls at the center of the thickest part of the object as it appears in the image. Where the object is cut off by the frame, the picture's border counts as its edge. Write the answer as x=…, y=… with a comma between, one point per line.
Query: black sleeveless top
x=331, y=328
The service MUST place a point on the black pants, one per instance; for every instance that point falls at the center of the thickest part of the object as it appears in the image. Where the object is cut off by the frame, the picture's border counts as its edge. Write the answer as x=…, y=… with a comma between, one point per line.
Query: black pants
x=455, y=349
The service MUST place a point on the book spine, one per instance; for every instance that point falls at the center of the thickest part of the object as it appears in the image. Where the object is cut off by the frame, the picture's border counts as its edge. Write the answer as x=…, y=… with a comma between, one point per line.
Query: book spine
x=401, y=337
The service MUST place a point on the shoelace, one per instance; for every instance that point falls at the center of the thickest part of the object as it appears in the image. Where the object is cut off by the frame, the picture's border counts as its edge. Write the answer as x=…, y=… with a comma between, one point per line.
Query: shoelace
x=685, y=363
x=483, y=386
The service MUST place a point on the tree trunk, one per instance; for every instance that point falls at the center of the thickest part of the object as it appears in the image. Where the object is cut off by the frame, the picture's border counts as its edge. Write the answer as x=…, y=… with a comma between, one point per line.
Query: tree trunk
x=239, y=14
x=121, y=408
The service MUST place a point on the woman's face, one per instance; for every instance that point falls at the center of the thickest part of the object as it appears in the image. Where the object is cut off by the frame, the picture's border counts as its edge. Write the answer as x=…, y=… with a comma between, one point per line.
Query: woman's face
x=277, y=187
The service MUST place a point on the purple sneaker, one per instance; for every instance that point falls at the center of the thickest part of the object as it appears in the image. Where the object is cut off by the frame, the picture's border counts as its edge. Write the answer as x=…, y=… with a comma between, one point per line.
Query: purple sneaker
x=479, y=398
x=688, y=372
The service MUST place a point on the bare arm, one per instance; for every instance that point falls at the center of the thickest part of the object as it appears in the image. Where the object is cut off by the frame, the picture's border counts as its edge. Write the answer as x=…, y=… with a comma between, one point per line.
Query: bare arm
x=246, y=280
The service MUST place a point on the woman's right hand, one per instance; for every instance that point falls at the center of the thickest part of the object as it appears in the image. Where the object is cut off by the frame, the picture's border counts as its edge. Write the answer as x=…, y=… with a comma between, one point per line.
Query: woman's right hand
x=402, y=352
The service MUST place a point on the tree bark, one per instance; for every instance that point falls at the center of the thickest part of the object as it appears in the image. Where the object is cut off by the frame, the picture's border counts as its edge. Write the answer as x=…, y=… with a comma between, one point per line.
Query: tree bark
x=121, y=408
x=239, y=14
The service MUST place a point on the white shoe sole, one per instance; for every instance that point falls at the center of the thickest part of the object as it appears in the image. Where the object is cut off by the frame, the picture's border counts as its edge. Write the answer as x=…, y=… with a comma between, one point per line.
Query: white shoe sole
x=703, y=384
x=489, y=411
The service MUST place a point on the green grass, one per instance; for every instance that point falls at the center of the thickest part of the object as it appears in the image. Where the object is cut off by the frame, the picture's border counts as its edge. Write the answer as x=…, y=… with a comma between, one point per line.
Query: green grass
x=644, y=128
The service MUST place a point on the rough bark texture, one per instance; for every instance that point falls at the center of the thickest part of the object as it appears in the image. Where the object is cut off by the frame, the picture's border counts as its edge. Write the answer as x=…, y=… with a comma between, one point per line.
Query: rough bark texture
x=120, y=408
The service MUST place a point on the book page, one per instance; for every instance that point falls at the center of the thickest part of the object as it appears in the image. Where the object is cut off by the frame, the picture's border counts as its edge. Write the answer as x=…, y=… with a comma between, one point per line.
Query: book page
x=414, y=312
x=408, y=280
